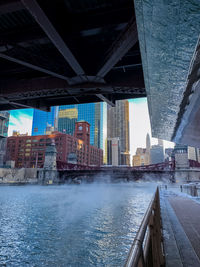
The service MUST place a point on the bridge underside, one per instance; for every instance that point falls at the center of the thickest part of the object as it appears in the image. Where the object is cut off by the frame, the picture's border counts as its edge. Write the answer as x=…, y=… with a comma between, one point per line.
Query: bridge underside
x=66, y=51
x=168, y=34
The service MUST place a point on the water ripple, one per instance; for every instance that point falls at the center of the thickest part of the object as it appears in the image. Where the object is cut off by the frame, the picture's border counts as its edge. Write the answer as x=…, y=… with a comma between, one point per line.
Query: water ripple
x=87, y=225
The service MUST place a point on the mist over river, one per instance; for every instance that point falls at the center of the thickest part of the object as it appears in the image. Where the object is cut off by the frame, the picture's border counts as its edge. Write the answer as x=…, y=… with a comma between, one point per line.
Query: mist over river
x=70, y=225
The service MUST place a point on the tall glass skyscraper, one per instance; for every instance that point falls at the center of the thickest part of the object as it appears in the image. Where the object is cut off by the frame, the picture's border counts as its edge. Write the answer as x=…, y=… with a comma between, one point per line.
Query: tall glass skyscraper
x=67, y=117
x=94, y=113
x=43, y=120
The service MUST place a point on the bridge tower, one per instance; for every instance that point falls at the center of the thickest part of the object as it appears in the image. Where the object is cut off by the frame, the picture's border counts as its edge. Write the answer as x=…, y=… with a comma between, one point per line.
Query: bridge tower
x=50, y=156
x=49, y=174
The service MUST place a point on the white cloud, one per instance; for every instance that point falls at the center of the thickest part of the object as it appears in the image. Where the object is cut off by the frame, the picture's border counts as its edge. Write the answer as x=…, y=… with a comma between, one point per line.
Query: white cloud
x=23, y=124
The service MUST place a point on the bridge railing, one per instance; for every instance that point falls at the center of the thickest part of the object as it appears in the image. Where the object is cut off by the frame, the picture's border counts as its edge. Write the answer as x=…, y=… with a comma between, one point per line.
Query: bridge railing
x=194, y=164
x=62, y=165
x=147, y=248
x=163, y=166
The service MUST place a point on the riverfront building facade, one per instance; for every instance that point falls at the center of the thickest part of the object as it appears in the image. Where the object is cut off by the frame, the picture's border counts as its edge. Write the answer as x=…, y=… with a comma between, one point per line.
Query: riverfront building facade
x=29, y=151
x=4, y=120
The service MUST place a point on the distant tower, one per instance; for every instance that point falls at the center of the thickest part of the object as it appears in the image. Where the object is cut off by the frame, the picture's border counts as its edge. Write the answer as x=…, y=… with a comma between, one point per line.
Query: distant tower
x=148, y=143
x=82, y=131
x=50, y=157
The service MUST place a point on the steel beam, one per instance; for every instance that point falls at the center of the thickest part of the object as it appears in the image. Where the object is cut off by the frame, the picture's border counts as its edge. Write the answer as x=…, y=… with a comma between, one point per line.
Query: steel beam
x=9, y=6
x=6, y=101
x=127, y=39
x=53, y=35
x=34, y=67
x=77, y=92
x=105, y=99
x=50, y=85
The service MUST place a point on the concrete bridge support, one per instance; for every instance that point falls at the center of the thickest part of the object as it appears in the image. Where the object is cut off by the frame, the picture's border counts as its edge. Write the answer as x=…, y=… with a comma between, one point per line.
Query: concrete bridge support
x=49, y=174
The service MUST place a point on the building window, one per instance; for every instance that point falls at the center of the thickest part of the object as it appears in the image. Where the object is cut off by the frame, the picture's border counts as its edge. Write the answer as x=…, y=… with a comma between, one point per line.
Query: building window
x=28, y=145
x=80, y=128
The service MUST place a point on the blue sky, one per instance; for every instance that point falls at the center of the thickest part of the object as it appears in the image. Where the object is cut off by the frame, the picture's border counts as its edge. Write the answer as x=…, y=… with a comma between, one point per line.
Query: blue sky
x=21, y=120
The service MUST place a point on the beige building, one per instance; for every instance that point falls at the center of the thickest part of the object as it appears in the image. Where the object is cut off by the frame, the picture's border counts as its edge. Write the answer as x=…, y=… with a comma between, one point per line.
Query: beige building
x=113, y=151
x=141, y=158
x=136, y=161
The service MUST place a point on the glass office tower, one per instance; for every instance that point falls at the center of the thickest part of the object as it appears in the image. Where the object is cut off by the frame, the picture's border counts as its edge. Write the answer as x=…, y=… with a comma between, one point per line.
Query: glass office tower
x=42, y=121
x=94, y=113
x=67, y=117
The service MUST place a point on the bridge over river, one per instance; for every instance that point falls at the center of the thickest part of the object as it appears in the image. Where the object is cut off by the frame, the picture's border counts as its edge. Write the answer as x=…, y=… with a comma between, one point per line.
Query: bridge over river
x=166, y=172
x=58, y=52
x=71, y=52
x=159, y=172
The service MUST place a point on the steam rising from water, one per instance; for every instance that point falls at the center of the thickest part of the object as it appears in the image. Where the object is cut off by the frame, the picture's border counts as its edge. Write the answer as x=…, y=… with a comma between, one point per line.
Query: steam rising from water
x=71, y=225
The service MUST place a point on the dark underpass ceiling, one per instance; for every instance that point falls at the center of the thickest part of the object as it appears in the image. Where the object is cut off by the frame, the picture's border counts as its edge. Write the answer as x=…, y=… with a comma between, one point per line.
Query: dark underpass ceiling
x=66, y=51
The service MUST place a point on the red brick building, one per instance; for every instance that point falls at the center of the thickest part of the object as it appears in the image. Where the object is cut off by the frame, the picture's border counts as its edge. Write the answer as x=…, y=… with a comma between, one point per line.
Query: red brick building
x=29, y=151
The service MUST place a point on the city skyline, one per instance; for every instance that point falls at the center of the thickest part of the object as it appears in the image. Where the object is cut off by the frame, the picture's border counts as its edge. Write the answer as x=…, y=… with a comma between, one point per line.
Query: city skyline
x=21, y=120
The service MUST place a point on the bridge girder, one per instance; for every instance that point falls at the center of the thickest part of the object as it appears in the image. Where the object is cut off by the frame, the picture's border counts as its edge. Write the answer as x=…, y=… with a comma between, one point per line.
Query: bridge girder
x=43, y=52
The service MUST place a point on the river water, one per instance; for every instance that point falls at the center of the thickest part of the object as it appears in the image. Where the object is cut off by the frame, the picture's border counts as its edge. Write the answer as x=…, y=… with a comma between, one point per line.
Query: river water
x=70, y=225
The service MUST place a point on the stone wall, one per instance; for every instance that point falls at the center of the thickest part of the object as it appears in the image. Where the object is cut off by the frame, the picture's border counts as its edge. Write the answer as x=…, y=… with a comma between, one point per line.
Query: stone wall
x=11, y=175
x=185, y=176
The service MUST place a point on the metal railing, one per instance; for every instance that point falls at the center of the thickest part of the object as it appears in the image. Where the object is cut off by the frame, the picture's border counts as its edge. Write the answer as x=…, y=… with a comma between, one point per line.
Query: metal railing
x=147, y=248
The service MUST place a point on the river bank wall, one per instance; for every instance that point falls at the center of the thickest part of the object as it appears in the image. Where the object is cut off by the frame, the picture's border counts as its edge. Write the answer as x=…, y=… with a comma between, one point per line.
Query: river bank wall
x=23, y=175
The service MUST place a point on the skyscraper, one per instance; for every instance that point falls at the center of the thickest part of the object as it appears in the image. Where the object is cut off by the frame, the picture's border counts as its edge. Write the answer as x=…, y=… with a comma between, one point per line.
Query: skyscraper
x=148, y=143
x=94, y=113
x=42, y=121
x=67, y=117
x=147, y=152
x=118, y=126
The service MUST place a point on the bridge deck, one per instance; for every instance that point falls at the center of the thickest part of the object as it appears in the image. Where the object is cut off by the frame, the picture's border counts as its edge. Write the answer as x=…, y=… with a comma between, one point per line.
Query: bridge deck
x=181, y=230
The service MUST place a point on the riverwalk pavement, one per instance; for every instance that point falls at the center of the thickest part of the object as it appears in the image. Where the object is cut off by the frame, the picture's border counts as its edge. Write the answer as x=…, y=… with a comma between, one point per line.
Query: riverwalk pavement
x=181, y=229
